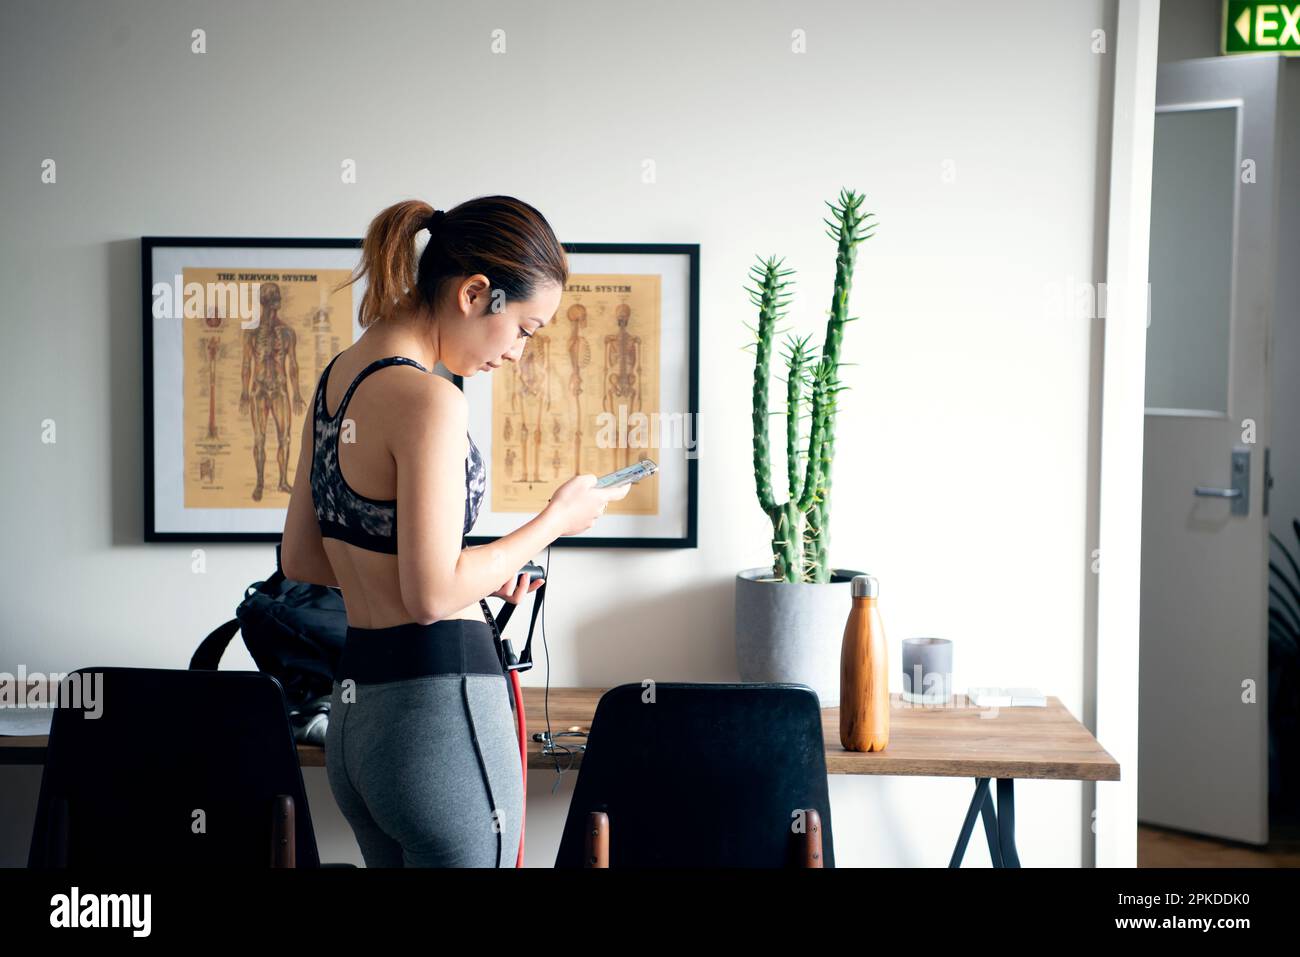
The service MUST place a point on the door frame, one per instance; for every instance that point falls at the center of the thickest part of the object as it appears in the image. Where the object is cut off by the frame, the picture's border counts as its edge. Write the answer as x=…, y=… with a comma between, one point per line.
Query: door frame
x=1112, y=820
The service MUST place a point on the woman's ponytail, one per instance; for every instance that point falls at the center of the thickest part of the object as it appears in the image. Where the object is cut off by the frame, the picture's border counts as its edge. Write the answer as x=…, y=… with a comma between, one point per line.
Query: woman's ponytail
x=388, y=259
x=501, y=237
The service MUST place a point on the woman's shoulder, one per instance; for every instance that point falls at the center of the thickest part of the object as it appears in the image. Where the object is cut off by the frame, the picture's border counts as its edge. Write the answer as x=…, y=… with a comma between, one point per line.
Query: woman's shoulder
x=423, y=400
x=441, y=391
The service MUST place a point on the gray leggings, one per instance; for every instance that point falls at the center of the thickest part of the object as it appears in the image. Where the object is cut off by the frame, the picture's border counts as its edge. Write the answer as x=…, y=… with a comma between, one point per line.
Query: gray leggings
x=426, y=768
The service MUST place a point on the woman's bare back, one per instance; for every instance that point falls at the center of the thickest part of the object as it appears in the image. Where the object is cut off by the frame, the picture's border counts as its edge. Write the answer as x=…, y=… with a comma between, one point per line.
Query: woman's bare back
x=368, y=579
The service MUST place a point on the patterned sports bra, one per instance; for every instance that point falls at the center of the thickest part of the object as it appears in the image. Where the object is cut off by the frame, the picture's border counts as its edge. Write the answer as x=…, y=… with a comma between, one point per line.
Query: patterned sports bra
x=347, y=515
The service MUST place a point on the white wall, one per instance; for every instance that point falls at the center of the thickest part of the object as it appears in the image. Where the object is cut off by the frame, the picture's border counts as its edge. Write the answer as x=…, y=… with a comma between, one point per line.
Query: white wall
x=962, y=475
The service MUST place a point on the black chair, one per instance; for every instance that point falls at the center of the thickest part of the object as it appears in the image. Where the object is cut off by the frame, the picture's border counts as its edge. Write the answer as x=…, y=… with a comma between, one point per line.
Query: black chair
x=703, y=775
x=188, y=769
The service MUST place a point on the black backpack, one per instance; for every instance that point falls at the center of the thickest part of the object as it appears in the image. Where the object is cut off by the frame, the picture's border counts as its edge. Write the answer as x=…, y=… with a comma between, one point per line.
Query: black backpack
x=294, y=631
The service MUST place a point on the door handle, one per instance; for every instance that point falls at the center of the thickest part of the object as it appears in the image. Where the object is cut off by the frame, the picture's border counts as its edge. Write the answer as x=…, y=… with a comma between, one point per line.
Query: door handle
x=1239, y=491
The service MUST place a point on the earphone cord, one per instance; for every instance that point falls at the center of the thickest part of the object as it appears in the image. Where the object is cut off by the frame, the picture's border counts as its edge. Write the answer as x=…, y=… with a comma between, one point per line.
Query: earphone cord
x=555, y=749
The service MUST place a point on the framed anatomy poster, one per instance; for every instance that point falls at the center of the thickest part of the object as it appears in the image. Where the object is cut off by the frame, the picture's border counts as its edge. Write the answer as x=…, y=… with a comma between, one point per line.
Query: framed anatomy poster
x=610, y=379
x=236, y=335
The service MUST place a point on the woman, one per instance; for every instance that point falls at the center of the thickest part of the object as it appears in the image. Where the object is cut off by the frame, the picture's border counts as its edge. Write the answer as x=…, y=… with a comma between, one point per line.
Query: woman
x=421, y=748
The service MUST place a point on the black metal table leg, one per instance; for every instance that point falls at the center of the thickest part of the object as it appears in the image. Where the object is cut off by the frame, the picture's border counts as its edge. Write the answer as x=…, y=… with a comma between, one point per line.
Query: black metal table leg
x=991, y=827
x=999, y=823
x=1007, y=822
x=977, y=802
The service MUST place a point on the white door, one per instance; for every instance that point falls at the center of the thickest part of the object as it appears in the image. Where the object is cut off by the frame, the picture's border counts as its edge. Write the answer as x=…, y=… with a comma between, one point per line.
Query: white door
x=1203, y=679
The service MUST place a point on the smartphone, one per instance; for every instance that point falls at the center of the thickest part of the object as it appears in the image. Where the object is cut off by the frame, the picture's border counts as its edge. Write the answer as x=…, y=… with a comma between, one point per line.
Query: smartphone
x=633, y=473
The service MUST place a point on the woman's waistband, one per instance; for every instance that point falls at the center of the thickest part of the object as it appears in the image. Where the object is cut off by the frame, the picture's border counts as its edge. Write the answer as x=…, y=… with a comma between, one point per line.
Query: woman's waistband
x=453, y=646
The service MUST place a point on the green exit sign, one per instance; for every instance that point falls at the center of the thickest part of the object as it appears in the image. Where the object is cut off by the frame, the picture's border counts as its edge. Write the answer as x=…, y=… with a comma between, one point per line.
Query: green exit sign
x=1253, y=27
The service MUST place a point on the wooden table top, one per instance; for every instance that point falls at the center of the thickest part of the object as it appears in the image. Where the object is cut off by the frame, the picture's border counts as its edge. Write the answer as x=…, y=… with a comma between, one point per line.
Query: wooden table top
x=955, y=740
x=950, y=741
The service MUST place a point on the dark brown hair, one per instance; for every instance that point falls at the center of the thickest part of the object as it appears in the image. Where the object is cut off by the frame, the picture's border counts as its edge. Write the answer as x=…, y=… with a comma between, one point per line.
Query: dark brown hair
x=501, y=237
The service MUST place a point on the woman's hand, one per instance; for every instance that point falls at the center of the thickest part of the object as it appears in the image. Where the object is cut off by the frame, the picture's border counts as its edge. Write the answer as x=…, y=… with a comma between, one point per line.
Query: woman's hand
x=578, y=502
x=514, y=590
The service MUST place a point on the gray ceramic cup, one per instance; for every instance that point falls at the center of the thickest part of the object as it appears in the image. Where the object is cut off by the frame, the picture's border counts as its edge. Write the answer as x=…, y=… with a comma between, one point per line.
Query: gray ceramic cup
x=927, y=670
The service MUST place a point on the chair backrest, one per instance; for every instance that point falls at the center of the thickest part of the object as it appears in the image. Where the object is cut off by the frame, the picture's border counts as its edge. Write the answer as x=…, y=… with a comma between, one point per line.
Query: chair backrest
x=182, y=768
x=702, y=775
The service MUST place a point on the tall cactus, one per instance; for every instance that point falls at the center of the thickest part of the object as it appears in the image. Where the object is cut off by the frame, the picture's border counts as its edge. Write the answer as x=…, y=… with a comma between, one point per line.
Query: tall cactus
x=800, y=524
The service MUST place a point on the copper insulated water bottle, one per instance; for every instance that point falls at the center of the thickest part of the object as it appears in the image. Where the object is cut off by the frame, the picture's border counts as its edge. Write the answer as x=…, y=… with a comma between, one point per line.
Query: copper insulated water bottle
x=864, y=671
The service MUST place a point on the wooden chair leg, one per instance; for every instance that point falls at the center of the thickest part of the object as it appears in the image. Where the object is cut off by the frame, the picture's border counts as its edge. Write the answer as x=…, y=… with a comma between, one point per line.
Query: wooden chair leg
x=283, y=832
x=810, y=841
x=597, y=840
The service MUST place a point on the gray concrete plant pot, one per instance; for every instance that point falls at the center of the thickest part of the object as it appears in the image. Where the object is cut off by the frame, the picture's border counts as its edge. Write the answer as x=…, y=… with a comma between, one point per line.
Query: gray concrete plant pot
x=791, y=631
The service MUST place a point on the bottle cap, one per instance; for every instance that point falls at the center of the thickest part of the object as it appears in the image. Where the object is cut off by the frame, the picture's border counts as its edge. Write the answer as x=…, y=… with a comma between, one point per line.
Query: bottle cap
x=865, y=586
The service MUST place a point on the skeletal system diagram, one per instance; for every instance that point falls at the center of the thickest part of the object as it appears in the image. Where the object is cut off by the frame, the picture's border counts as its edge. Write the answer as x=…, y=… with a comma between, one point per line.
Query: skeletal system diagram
x=595, y=364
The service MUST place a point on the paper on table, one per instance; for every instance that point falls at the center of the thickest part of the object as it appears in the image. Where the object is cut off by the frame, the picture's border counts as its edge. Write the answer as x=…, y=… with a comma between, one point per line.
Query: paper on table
x=1006, y=697
x=21, y=722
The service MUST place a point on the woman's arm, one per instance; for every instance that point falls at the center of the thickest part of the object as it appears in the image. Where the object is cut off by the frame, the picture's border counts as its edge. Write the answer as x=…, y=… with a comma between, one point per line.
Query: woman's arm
x=302, y=553
x=427, y=437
